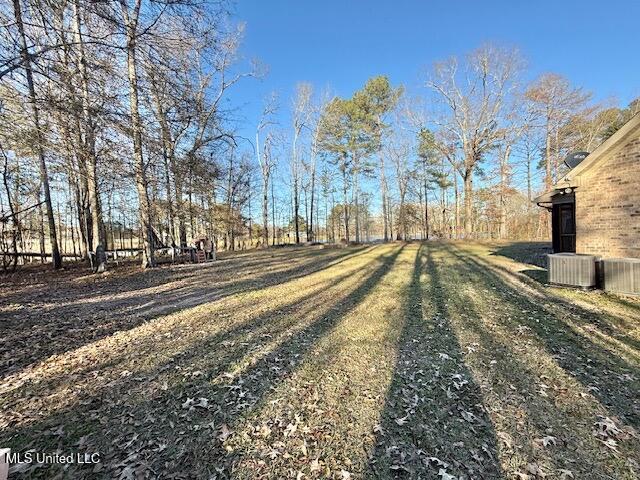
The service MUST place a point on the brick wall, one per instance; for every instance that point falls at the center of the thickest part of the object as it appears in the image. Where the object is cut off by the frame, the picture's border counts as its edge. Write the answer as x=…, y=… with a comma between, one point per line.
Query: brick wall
x=608, y=206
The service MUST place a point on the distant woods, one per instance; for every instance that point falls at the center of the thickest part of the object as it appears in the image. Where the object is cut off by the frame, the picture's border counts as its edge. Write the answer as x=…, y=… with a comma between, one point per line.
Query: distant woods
x=118, y=134
x=114, y=128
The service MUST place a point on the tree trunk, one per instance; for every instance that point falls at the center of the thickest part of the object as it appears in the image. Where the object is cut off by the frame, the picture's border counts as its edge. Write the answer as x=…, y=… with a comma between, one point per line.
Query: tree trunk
x=144, y=206
x=504, y=165
x=402, y=214
x=230, y=243
x=456, y=194
x=333, y=219
x=326, y=215
x=41, y=235
x=383, y=192
x=468, y=203
x=97, y=225
x=296, y=207
x=17, y=233
x=265, y=210
x=182, y=218
x=310, y=234
x=265, y=168
x=76, y=149
x=345, y=201
x=529, y=195
x=390, y=210
x=167, y=157
x=357, y=205
x=273, y=214
x=44, y=175
x=443, y=209
x=548, y=178
x=294, y=173
x=426, y=210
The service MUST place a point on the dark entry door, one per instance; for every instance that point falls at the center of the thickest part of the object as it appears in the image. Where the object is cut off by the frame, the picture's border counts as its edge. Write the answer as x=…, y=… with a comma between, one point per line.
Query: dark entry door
x=564, y=227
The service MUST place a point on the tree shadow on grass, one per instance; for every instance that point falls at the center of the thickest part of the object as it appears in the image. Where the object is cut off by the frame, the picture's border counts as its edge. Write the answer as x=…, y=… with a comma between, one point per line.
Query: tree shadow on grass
x=433, y=417
x=236, y=340
x=525, y=412
x=611, y=314
x=614, y=325
x=527, y=253
x=532, y=253
x=149, y=431
x=540, y=276
x=609, y=377
x=33, y=335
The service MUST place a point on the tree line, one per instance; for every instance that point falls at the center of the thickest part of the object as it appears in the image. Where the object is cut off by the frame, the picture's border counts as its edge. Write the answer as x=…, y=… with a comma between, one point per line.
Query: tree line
x=118, y=133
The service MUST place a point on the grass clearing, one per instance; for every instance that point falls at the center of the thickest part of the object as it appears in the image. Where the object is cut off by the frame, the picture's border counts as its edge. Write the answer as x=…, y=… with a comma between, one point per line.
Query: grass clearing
x=436, y=360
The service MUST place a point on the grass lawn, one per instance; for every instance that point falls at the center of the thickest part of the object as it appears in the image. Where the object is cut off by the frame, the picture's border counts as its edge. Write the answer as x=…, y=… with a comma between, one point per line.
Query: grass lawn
x=435, y=360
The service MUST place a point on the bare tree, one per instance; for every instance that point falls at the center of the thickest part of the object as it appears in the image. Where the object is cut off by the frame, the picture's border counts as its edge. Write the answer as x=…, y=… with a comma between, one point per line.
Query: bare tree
x=399, y=152
x=315, y=115
x=131, y=22
x=516, y=123
x=267, y=164
x=89, y=156
x=301, y=106
x=554, y=100
x=266, y=161
x=39, y=141
x=474, y=101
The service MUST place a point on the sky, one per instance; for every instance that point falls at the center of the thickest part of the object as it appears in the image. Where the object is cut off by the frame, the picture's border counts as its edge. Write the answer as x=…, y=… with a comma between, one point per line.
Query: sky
x=340, y=44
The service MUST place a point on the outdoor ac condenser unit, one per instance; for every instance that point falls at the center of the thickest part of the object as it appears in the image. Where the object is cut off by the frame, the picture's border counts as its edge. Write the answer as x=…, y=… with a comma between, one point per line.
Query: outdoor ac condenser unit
x=572, y=269
x=622, y=275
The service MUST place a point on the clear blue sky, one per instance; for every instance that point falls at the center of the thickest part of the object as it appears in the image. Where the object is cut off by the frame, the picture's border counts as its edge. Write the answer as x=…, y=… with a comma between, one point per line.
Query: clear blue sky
x=342, y=43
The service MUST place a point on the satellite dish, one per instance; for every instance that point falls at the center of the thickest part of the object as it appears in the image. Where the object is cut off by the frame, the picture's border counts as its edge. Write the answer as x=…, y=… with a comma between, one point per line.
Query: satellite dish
x=574, y=159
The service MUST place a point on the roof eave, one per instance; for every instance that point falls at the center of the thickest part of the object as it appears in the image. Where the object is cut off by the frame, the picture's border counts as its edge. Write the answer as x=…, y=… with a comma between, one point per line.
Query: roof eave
x=546, y=197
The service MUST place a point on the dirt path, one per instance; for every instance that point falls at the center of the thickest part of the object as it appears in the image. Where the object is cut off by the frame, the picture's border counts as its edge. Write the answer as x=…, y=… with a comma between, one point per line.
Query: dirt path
x=394, y=361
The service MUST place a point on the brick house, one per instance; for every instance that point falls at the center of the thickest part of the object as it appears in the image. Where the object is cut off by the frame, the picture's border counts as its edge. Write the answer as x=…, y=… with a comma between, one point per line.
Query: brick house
x=596, y=205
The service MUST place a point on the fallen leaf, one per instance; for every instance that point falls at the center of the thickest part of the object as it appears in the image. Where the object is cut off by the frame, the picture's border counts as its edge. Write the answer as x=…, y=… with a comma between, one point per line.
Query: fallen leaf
x=468, y=416
x=506, y=438
x=565, y=474
x=611, y=444
x=225, y=432
x=402, y=421
x=446, y=476
x=437, y=461
x=606, y=427
x=535, y=469
x=315, y=465
x=522, y=476
x=547, y=440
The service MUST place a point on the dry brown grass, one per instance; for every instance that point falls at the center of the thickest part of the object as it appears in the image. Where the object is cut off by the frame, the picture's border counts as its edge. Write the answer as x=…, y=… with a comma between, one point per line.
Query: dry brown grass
x=392, y=361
